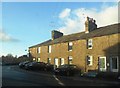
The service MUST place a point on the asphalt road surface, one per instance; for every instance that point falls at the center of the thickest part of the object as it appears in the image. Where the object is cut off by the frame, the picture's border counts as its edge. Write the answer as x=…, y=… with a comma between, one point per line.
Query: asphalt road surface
x=14, y=76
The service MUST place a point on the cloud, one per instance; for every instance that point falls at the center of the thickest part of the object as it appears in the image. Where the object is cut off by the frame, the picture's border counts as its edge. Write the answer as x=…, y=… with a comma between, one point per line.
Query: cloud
x=73, y=20
x=65, y=13
x=6, y=38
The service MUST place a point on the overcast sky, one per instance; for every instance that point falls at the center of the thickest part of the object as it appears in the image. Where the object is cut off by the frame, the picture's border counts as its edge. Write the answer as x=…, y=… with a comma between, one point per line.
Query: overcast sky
x=28, y=23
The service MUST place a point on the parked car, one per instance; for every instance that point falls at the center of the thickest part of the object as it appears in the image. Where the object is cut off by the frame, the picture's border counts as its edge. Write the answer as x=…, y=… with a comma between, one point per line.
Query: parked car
x=22, y=64
x=118, y=77
x=35, y=66
x=67, y=70
x=90, y=74
x=49, y=67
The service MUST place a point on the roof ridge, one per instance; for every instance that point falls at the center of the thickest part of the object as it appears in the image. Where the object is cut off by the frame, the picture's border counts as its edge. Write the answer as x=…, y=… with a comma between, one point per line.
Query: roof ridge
x=109, y=25
x=101, y=31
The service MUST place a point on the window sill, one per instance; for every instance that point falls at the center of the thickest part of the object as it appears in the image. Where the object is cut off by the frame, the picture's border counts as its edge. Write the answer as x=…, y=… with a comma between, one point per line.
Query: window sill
x=90, y=65
x=89, y=48
x=69, y=50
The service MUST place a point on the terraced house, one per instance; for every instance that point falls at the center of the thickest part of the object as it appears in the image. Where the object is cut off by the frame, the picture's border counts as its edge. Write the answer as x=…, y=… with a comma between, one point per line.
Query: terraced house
x=93, y=49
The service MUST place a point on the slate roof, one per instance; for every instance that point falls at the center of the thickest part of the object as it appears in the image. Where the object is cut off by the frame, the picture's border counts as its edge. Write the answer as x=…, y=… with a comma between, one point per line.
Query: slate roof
x=102, y=31
x=43, y=43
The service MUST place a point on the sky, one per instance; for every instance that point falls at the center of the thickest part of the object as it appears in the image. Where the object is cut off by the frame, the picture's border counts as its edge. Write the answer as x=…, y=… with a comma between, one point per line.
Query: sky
x=29, y=23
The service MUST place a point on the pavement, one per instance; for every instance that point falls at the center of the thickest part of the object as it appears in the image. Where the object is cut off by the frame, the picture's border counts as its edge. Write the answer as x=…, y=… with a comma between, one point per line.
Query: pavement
x=97, y=80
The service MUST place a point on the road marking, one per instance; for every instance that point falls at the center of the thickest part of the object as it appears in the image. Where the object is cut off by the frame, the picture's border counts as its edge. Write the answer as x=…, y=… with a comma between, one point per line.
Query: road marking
x=59, y=82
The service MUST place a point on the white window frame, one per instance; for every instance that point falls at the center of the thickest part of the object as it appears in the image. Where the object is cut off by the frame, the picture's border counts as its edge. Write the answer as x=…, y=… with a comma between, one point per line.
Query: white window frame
x=38, y=59
x=34, y=59
x=89, y=43
x=39, y=49
x=90, y=60
x=49, y=60
x=56, y=62
x=114, y=70
x=70, y=44
x=69, y=59
x=105, y=68
x=49, y=49
x=62, y=61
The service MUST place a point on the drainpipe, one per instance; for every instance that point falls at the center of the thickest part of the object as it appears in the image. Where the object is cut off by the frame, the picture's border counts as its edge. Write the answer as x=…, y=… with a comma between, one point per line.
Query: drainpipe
x=85, y=64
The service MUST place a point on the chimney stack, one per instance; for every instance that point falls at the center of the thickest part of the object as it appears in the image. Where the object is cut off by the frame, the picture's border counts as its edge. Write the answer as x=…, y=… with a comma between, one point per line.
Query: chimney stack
x=90, y=25
x=56, y=34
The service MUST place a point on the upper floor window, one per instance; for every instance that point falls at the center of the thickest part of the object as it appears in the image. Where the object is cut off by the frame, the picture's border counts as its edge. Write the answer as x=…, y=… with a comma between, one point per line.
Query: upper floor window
x=89, y=43
x=89, y=60
x=49, y=49
x=39, y=49
x=70, y=44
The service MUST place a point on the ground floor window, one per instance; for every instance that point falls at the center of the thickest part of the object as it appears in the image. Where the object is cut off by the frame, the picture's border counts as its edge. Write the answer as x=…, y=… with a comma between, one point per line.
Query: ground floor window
x=61, y=61
x=34, y=59
x=38, y=60
x=70, y=60
x=49, y=60
x=89, y=60
x=114, y=64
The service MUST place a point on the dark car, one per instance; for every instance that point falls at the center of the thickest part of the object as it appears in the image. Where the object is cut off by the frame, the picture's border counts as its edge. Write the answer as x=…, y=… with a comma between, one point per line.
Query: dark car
x=22, y=64
x=118, y=76
x=90, y=74
x=35, y=66
x=67, y=70
x=49, y=67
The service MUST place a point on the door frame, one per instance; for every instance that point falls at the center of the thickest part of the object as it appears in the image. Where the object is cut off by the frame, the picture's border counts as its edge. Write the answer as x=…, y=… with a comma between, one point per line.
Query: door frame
x=111, y=69
x=55, y=61
x=102, y=69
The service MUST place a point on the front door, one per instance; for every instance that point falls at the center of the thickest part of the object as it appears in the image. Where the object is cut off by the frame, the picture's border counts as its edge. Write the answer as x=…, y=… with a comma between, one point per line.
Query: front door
x=114, y=64
x=56, y=62
x=102, y=64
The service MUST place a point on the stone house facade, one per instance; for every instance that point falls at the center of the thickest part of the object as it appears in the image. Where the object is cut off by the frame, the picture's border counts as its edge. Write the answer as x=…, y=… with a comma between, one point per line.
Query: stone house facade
x=93, y=49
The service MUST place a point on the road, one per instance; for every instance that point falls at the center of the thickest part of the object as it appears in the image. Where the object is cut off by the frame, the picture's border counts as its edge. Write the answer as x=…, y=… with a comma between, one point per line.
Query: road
x=14, y=76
